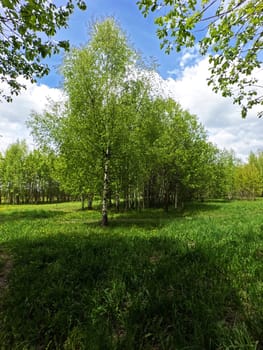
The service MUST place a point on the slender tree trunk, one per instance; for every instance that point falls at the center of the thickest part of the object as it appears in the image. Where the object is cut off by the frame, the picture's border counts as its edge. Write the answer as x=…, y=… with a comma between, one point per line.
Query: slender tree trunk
x=117, y=202
x=82, y=201
x=12, y=198
x=166, y=187
x=104, y=221
x=176, y=196
x=90, y=198
x=126, y=200
x=166, y=201
x=143, y=198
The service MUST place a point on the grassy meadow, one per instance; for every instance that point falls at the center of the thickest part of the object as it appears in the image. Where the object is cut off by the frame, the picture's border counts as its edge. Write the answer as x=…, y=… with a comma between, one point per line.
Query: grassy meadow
x=185, y=280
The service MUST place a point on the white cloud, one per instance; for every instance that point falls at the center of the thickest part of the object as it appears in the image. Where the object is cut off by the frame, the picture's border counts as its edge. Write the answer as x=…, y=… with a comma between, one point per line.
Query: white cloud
x=188, y=57
x=220, y=117
x=14, y=115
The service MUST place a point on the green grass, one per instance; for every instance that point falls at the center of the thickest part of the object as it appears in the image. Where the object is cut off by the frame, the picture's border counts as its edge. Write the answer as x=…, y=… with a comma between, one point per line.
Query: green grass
x=151, y=280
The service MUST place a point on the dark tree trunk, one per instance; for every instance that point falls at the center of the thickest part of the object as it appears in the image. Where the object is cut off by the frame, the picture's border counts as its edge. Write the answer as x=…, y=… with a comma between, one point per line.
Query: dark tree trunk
x=82, y=202
x=166, y=201
x=104, y=221
x=176, y=196
x=117, y=202
x=90, y=198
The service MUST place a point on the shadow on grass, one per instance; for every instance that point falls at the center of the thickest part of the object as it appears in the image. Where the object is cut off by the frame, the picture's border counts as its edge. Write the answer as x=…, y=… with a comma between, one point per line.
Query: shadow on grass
x=155, y=218
x=126, y=223
x=148, y=218
x=145, y=219
x=15, y=215
x=208, y=206
x=112, y=292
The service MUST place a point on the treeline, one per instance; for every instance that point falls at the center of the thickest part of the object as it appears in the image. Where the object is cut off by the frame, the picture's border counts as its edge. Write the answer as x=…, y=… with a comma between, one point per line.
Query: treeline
x=116, y=137
x=42, y=177
x=28, y=176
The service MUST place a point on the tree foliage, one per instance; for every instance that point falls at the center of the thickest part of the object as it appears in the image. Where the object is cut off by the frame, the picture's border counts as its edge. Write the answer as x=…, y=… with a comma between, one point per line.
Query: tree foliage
x=155, y=174
x=115, y=137
x=28, y=177
x=248, y=183
x=26, y=32
x=229, y=31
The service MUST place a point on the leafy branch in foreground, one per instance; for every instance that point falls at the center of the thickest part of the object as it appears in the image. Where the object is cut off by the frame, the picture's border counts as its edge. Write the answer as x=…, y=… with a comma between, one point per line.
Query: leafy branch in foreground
x=26, y=32
x=229, y=31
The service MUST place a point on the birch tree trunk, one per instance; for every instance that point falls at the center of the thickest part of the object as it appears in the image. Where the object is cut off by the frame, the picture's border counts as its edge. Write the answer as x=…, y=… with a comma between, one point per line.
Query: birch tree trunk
x=104, y=221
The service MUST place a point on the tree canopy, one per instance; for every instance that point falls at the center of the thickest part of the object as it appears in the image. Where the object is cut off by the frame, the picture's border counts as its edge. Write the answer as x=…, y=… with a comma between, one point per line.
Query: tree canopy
x=26, y=32
x=115, y=137
x=229, y=31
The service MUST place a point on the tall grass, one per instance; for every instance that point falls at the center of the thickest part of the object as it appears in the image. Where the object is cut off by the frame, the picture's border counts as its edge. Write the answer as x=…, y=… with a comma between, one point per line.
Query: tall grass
x=151, y=280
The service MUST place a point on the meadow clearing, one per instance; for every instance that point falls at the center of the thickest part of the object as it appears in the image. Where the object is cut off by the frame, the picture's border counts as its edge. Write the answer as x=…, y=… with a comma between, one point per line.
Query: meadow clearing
x=150, y=280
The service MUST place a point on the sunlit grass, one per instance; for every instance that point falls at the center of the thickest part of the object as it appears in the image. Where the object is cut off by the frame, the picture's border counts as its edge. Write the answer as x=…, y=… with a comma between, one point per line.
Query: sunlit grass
x=151, y=280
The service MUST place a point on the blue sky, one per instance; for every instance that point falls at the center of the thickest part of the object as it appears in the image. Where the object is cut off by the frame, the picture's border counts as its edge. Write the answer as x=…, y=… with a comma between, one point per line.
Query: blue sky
x=182, y=77
x=141, y=32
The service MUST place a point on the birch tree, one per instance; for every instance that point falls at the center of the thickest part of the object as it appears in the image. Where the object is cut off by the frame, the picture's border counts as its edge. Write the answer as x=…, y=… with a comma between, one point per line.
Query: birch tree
x=96, y=79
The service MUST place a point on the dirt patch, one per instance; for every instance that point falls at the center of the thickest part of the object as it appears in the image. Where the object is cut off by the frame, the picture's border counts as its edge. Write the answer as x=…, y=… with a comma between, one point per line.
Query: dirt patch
x=5, y=268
